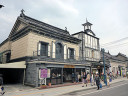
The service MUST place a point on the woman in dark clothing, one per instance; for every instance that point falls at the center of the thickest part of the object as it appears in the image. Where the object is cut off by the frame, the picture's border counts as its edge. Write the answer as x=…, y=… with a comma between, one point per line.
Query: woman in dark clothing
x=97, y=79
x=84, y=77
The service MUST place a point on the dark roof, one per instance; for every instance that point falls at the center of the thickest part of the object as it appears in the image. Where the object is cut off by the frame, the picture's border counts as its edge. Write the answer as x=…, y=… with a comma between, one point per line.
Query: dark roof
x=86, y=32
x=4, y=42
x=86, y=24
x=42, y=24
x=108, y=56
x=43, y=29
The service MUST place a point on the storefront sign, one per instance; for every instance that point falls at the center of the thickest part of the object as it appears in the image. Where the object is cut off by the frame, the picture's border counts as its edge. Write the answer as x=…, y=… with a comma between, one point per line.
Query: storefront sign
x=69, y=66
x=43, y=73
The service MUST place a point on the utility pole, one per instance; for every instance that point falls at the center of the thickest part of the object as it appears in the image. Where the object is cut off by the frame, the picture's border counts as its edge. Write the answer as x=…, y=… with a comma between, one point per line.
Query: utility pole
x=105, y=79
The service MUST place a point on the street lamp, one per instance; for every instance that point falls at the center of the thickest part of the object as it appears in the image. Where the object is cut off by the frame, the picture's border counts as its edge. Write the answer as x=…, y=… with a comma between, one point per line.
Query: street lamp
x=105, y=80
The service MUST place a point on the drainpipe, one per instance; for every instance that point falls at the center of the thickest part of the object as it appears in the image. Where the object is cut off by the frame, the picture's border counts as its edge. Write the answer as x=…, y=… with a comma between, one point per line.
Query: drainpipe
x=24, y=77
x=82, y=46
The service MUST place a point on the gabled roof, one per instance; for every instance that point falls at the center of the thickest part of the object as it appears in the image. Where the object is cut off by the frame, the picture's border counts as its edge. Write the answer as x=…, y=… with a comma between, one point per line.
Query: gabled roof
x=85, y=32
x=114, y=57
x=40, y=28
x=89, y=31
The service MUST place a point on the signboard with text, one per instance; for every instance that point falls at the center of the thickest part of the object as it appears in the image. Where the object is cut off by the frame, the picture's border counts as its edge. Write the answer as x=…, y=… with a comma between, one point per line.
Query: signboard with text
x=43, y=73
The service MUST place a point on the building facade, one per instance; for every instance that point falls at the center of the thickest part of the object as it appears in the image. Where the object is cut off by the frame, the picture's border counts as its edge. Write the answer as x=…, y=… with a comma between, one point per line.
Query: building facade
x=89, y=48
x=36, y=53
x=118, y=63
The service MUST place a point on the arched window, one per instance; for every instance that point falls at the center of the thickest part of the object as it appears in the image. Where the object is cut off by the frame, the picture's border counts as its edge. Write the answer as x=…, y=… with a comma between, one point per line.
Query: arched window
x=59, y=50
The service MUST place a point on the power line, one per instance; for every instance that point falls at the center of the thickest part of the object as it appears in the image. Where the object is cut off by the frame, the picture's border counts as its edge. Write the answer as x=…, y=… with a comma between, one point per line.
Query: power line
x=117, y=46
x=113, y=42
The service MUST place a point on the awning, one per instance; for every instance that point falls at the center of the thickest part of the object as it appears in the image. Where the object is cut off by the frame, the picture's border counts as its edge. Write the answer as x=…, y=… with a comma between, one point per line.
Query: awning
x=21, y=65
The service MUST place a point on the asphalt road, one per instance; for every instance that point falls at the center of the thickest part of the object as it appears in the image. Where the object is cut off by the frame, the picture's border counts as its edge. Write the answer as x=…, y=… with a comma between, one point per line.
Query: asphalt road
x=117, y=89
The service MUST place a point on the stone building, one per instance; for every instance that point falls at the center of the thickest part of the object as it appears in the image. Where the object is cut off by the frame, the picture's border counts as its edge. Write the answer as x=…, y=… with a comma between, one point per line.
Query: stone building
x=36, y=53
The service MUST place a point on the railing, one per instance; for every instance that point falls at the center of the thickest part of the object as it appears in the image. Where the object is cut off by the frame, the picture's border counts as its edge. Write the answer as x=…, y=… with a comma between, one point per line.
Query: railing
x=53, y=56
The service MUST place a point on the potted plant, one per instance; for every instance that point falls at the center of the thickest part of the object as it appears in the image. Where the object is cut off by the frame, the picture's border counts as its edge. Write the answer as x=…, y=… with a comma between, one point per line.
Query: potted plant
x=43, y=86
x=49, y=84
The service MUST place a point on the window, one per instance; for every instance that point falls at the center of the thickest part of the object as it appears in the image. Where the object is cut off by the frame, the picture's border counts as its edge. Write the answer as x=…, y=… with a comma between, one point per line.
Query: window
x=8, y=55
x=71, y=53
x=44, y=49
x=56, y=72
x=59, y=51
x=92, y=53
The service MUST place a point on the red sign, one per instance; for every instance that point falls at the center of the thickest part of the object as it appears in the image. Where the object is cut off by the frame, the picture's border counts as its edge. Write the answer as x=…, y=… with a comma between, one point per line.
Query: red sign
x=43, y=73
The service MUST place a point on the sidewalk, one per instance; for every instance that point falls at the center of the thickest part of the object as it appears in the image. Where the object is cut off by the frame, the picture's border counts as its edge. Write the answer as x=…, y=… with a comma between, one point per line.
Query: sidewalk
x=58, y=90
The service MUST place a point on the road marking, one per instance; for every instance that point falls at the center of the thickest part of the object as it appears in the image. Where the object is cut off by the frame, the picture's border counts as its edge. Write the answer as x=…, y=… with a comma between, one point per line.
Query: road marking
x=102, y=89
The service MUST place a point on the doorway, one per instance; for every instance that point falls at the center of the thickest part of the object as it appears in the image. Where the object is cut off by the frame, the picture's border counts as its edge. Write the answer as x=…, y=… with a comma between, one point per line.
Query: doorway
x=68, y=74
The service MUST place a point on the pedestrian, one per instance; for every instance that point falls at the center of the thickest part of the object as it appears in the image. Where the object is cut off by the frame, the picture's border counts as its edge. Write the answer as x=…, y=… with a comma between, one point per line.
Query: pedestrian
x=108, y=79
x=88, y=77
x=127, y=74
x=92, y=79
x=84, y=79
x=97, y=79
x=1, y=85
x=76, y=77
x=117, y=73
x=73, y=77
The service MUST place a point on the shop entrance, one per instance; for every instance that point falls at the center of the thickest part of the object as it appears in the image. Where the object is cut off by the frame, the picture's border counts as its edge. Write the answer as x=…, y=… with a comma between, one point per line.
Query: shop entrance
x=68, y=74
x=12, y=76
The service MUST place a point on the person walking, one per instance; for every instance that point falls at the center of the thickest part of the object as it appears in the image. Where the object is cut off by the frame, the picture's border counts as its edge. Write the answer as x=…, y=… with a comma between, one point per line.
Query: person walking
x=92, y=79
x=97, y=79
x=1, y=83
x=127, y=74
x=88, y=78
x=73, y=78
x=84, y=79
x=108, y=79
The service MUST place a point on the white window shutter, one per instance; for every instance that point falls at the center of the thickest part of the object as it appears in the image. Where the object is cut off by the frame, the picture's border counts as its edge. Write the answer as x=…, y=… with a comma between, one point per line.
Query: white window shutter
x=65, y=51
x=53, y=50
x=39, y=48
x=74, y=54
x=68, y=54
x=49, y=51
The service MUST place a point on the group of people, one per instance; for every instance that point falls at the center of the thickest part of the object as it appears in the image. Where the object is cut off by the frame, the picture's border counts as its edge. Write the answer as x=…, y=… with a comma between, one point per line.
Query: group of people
x=94, y=79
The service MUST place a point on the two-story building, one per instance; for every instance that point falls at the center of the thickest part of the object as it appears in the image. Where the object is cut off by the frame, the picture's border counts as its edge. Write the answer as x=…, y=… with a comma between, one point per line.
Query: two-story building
x=89, y=47
x=35, y=50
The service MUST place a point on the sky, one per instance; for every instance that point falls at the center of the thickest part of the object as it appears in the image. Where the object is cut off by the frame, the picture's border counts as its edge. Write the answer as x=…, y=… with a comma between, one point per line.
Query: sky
x=109, y=18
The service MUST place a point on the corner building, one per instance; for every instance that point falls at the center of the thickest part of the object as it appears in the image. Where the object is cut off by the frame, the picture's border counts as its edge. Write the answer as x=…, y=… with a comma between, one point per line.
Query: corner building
x=32, y=46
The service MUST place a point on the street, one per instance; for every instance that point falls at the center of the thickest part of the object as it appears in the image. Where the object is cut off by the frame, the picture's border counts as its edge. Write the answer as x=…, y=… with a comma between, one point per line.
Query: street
x=117, y=89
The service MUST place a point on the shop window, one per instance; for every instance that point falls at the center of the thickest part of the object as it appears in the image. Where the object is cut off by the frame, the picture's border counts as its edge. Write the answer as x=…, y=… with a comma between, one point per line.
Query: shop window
x=56, y=72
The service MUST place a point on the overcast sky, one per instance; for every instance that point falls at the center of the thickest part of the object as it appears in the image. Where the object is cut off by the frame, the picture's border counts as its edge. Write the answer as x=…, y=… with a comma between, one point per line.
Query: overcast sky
x=109, y=18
